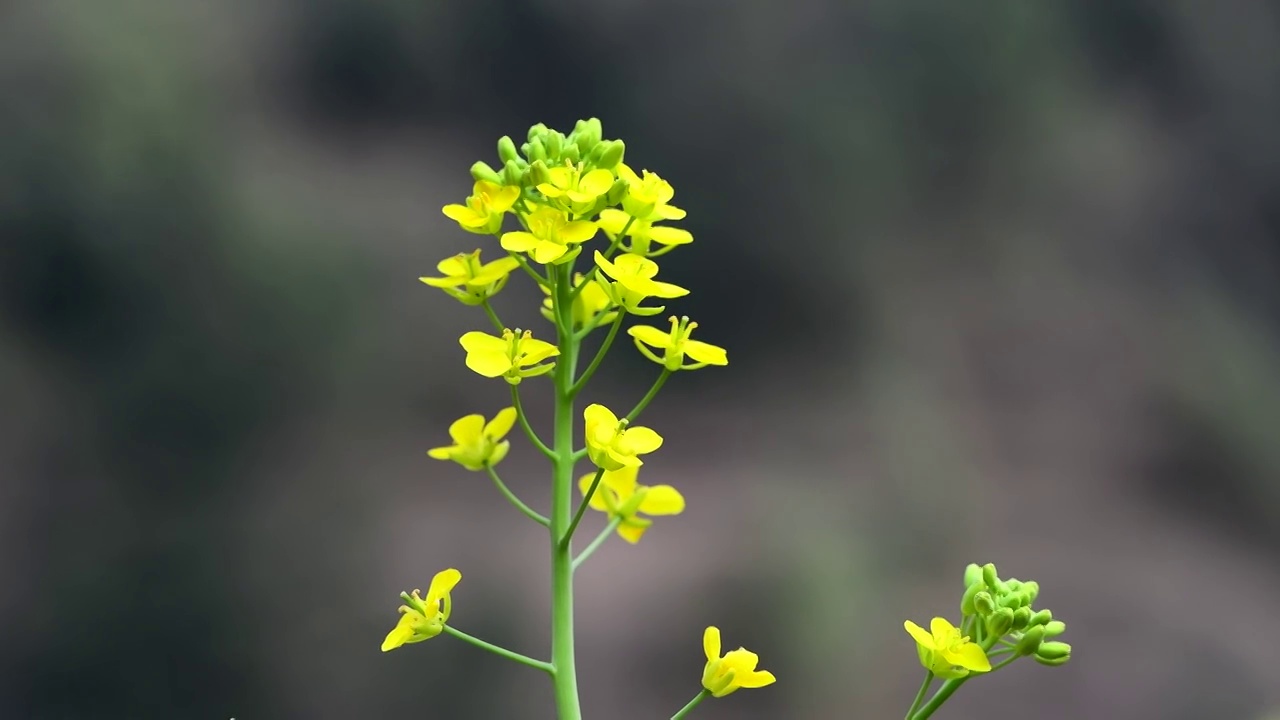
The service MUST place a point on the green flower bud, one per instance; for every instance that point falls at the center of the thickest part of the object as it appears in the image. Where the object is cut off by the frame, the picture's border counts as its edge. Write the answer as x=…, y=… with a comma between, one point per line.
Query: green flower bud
x=1033, y=590
x=538, y=172
x=1054, y=628
x=970, y=592
x=481, y=171
x=1053, y=650
x=536, y=131
x=588, y=135
x=571, y=154
x=1013, y=600
x=1030, y=640
x=512, y=174
x=537, y=151
x=989, y=576
x=999, y=622
x=555, y=144
x=983, y=603
x=507, y=149
x=972, y=574
x=612, y=154
x=616, y=192
x=1055, y=662
x=1021, y=618
x=1041, y=617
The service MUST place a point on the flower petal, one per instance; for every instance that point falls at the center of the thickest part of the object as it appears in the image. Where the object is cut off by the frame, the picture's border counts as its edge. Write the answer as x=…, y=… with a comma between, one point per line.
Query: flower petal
x=923, y=638
x=502, y=200
x=706, y=352
x=622, y=482
x=547, y=252
x=612, y=221
x=670, y=235
x=518, y=241
x=597, y=414
x=711, y=642
x=441, y=584
x=445, y=282
x=596, y=183
x=466, y=430
x=756, y=679
x=442, y=453
x=651, y=336
x=942, y=628
x=597, y=498
x=399, y=635
x=632, y=533
x=642, y=440
x=476, y=341
x=489, y=364
x=969, y=656
x=662, y=500
x=578, y=231
x=533, y=351
x=464, y=215
x=501, y=424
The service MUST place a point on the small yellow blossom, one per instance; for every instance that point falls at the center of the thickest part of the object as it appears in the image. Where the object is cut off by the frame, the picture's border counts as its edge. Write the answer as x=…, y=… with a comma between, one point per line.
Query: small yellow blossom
x=945, y=652
x=620, y=497
x=484, y=209
x=647, y=196
x=675, y=345
x=468, y=280
x=513, y=356
x=611, y=444
x=633, y=283
x=567, y=183
x=551, y=236
x=641, y=232
x=589, y=303
x=737, y=669
x=476, y=444
x=424, y=618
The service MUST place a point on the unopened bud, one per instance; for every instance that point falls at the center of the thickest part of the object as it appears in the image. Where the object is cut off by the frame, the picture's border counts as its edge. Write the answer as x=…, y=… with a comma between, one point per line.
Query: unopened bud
x=481, y=171
x=1021, y=618
x=612, y=154
x=1053, y=650
x=989, y=576
x=507, y=149
x=1054, y=628
x=536, y=131
x=1041, y=617
x=983, y=603
x=1030, y=640
x=538, y=172
x=972, y=574
x=999, y=622
x=970, y=592
x=512, y=173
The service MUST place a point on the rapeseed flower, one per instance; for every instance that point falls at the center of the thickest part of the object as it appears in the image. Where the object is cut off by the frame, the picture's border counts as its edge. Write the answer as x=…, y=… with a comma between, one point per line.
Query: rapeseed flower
x=619, y=496
x=676, y=345
x=736, y=669
x=513, y=356
x=551, y=237
x=945, y=652
x=424, y=618
x=611, y=444
x=485, y=207
x=477, y=444
x=468, y=280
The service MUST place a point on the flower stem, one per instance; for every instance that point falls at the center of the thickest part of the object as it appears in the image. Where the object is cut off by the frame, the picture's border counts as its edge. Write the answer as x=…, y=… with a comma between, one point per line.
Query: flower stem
x=562, y=639
x=508, y=654
x=924, y=690
x=649, y=396
x=528, y=429
x=506, y=492
x=692, y=704
x=582, y=508
x=604, y=535
x=493, y=317
x=604, y=348
x=946, y=691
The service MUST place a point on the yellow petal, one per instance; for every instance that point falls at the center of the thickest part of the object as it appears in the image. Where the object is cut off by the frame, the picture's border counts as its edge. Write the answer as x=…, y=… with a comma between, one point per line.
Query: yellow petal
x=578, y=231
x=757, y=679
x=612, y=221
x=626, y=173
x=488, y=364
x=399, y=635
x=663, y=290
x=622, y=482
x=942, y=628
x=631, y=533
x=596, y=414
x=597, y=498
x=442, y=453
x=561, y=176
x=502, y=200
x=662, y=500
x=466, y=430
x=642, y=440
x=501, y=424
x=533, y=351
x=711, y=642
x=608, y=268
x=706, y=353
x=596, y=183
x=638, y=266
x=464, y=215
x=518, y=241
x=969, y=656
x=547, y=252
x=501, y=266
x=651, y=336
x=923, y=638
x=499, y=452
x=441, y=584
x=444, y=282
x=476, y=341
x=670, y=236
x=550, y=190
x=669, y=212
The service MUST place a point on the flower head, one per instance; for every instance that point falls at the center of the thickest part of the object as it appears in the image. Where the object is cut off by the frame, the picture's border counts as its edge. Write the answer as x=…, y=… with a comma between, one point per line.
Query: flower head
x=484, y=209
x=945, y=652
x=514, y=356
x=737, y=669
x=611, y=444
x=642, y=233
x=620, y=497
x=578, y=190
x=633, y=282
x=424, y=618
x=551, y=236
x=591, y=301
x=647, y=197
x=468, y=280
x=676, y=345
x=477, y=444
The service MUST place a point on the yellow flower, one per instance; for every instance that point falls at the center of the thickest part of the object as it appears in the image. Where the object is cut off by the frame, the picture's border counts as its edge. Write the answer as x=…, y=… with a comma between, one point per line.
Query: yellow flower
x=567, y=183
x=592, y=301
x=469, y=281
x=551, y=236
x=423, y=619
x=484, y=209
x=511, y=356
x=675, y=345
x=737, y=669
x=633, y=282
x=647, y=196
x=642, y=232
x=945, y=652
x=477, y=445
x=620, y=497
x=611, y=444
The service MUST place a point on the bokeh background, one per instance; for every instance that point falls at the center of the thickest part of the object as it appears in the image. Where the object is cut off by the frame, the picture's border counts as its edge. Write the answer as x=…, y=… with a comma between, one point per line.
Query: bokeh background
x=997, y=278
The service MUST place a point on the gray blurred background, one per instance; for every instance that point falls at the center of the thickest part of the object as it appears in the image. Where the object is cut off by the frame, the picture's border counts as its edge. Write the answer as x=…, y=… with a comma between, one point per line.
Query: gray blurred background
x=997, y=279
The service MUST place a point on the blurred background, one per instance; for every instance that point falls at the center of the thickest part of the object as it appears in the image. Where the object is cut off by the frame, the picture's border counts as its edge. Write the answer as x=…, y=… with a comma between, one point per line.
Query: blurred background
x=997, y=279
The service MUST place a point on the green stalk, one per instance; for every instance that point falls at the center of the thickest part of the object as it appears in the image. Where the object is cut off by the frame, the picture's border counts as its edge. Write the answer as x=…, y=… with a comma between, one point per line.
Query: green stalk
x=562, y=640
